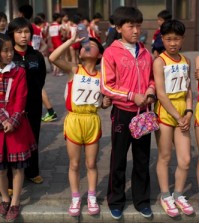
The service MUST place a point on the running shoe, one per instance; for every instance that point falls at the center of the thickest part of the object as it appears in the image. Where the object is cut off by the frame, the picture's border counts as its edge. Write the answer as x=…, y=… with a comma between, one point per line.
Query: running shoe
x=74, y=209
x=184, y=206
x=49, y=118
x=93, y=207
x=169, y=206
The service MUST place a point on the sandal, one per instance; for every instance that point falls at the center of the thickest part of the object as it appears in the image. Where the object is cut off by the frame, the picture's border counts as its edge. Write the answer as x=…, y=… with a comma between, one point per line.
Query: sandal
x=37, y=180
x=4, y=207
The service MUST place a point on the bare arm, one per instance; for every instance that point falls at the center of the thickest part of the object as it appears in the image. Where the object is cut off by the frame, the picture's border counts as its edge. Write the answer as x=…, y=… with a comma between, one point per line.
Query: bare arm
x=61, y=62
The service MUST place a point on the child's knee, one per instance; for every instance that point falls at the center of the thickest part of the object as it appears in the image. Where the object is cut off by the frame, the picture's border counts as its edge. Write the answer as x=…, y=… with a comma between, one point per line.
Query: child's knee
x=91, y=165
x=74, y=166
x=184, y=163
x=165, y=158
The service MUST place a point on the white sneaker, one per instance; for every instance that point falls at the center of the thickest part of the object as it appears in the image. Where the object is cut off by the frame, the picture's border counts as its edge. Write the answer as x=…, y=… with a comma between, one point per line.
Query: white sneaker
x=74, y=209
x=184, y=206
x=93, y=207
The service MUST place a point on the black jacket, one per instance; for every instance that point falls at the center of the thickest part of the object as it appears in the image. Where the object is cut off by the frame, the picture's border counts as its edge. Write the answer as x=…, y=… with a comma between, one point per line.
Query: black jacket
x=34, y=64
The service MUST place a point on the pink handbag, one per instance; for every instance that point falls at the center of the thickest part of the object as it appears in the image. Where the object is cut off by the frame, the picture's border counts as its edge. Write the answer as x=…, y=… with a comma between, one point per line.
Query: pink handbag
x=143, y=124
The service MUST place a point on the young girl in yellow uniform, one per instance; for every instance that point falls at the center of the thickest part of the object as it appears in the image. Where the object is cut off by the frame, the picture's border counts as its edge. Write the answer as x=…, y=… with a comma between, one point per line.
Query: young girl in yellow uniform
x=174, y=110
x=82, y=125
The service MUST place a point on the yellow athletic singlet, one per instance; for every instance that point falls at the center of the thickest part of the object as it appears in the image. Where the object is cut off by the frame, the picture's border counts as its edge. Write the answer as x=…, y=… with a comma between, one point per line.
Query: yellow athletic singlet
x=82, y=125
x=176, y=86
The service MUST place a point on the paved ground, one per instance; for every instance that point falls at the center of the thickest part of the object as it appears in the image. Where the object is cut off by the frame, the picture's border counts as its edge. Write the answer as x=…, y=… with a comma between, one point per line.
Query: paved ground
x=49, y=201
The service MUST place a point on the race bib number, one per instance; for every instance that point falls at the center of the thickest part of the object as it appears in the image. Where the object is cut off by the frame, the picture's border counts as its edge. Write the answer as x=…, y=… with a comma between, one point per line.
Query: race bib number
x=36, y=41
x=54, y=31
x=86, y=90
x=176, y=78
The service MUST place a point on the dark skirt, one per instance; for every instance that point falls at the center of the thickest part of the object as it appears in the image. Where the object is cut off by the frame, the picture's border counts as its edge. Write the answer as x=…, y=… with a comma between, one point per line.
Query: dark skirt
x=16, y=165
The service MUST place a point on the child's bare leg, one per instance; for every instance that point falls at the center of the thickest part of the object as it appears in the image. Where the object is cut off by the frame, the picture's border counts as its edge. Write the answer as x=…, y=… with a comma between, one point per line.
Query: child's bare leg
x=91, y=152
x=164, y=143
x=74, y=153
x=45, y=99
x=182, y=144
x=4, y=185
x=18, y=178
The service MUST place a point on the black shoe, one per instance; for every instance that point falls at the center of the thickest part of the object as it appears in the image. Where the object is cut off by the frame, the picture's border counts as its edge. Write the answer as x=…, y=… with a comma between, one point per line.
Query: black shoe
x=116, y=214
x=146, y=212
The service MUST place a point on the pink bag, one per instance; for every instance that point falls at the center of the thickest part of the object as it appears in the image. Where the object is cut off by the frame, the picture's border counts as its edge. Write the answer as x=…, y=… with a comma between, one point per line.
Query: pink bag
x=143, y=124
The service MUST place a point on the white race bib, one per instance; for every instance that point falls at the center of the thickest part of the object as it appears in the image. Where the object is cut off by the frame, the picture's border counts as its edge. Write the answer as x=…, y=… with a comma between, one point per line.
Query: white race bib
x=36, y=41
x=54, y=31
x=86, y=90
x=176, y=78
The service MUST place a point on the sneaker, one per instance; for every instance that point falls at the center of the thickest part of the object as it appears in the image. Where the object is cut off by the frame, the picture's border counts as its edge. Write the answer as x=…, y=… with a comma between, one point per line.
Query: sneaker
x=146, y=212
x=183, y=204
x=116, y=214
x=49, y=118
x=169, y=206
x=93, y=207
x=37, y=180
x=74, y=209
x=4, y=207
x=13, y=213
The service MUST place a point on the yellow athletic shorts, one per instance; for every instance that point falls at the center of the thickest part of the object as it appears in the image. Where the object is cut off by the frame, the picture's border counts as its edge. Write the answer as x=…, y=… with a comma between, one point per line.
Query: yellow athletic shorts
x=82, y=129
x=197, y=115
x=164, y=117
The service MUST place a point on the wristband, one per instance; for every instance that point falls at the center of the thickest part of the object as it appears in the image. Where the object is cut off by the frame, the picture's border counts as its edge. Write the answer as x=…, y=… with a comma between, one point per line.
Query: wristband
x=151, y=96
x=188, y=110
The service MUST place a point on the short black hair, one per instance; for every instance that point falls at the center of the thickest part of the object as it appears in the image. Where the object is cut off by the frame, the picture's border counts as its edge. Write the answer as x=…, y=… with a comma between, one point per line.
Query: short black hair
x=16, y=24
x=97, y=15
x=42, y=15
x=164, y=14
x=75, y=18
x=56, y=16
x=3, y=16
x=4, y=38
x=27, y=11
x=125, y=14
x=38, y=20
x=111, y=20
x=172, y=26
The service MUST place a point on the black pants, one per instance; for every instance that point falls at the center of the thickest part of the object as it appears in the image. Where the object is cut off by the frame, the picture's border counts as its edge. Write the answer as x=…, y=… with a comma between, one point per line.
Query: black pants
x=35, y=123
x=140, y=179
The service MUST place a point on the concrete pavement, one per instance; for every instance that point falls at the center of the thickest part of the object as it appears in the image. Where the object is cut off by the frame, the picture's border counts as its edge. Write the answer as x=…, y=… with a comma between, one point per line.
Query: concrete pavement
x=49, y=201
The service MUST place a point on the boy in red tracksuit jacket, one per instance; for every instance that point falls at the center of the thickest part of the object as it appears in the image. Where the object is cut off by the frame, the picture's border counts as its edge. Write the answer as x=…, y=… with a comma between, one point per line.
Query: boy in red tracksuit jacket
x=127, y=79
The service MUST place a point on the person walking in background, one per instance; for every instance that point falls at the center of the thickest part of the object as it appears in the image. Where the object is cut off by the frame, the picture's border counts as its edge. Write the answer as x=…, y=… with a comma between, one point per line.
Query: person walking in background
x=174, y=110
x=112, y=33
x=51, y=115
x=3, y=23
x=197, y=114
x=74, y=48
x=20, y=30
x=82, y=125
x=157, y=44
x=128, y=80
x=94, y=30
x=55, y=33
x=16, y=137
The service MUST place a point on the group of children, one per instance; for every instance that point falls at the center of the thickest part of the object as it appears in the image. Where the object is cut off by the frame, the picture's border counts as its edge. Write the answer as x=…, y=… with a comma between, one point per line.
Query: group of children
x=128, y=76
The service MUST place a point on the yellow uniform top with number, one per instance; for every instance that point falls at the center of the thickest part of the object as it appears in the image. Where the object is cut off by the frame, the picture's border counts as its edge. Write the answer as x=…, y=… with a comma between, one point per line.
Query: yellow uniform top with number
x=83, y=92
x=176, y=77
